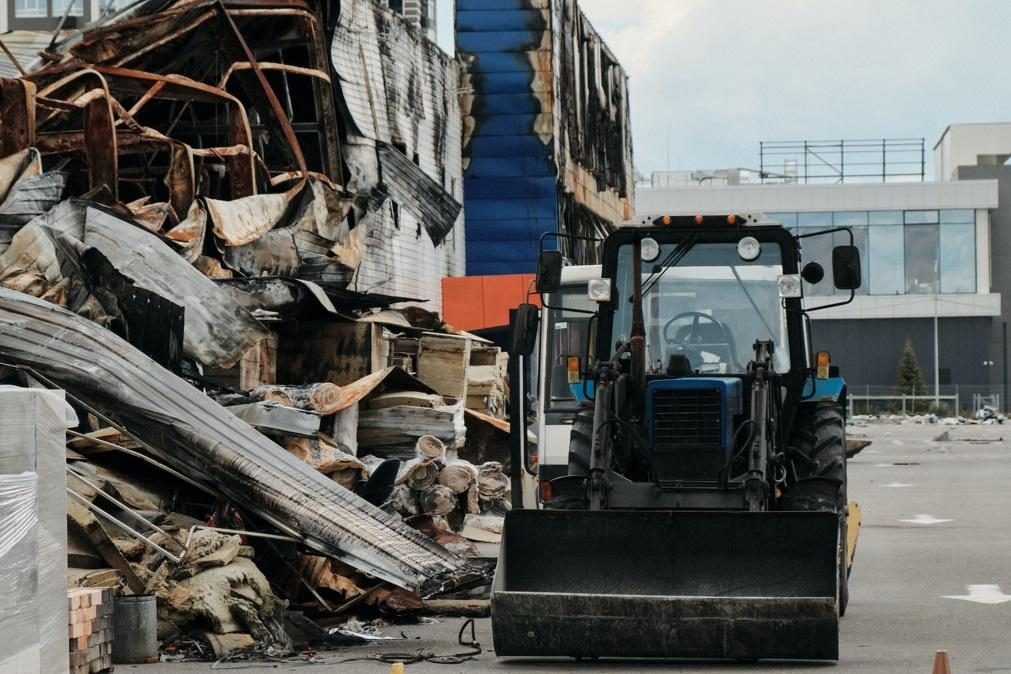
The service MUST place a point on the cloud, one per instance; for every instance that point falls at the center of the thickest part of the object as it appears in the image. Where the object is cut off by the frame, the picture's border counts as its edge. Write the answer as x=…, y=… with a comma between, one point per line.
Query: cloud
x=722, y=75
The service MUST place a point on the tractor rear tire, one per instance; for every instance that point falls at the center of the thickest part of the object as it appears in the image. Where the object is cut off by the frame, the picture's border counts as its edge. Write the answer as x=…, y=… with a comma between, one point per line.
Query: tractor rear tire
x=819, y=437
x=581, y=442
x=580, y=447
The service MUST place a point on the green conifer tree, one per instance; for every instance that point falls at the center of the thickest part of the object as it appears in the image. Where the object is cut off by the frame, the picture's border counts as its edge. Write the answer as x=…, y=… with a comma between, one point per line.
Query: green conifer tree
x=908, y=377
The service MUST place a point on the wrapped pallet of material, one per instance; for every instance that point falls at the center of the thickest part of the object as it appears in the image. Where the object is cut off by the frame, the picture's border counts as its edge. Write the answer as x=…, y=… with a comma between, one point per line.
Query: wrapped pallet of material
x=33, y=530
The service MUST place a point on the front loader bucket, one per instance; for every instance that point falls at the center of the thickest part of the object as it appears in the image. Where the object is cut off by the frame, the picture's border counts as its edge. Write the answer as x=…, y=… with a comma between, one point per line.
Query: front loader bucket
x=667, y=584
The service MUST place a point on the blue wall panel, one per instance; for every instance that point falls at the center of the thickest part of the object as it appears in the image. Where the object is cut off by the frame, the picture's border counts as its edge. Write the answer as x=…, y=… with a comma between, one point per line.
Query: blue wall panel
x=500, y=62
x=510, y=188
x=507, y=146
x=508, y=83
x=487, y=5
x=501, y=167
x=507, y=125
x=505, y=104
x=500, y=40
x=508, y=20
x=510, y=183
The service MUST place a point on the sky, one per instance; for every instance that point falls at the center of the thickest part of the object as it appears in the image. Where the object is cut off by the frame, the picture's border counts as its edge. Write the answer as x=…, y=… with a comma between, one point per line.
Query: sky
x=710, y=79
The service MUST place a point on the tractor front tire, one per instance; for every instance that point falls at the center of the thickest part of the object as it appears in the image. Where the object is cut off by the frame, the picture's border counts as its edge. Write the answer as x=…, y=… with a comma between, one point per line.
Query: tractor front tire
x=818, y=454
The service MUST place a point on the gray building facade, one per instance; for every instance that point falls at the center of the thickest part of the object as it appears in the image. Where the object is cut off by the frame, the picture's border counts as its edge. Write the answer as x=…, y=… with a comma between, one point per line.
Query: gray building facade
x=932, y=250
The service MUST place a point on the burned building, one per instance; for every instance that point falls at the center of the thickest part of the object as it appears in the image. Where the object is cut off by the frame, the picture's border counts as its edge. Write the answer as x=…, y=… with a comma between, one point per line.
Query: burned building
x=547, y=135
x=403, y=137
x=227, y=130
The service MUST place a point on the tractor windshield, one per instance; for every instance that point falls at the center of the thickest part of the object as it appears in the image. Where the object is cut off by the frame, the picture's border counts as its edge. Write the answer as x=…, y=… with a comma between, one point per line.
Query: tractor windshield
x=710, y=306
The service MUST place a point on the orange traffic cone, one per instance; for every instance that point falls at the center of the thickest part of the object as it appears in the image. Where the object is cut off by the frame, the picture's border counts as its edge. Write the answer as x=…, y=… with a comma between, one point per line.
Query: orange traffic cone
x=942, y=665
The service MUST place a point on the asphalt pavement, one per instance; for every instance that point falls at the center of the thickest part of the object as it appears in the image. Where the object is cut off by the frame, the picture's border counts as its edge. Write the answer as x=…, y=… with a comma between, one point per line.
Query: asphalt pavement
x=932, y=571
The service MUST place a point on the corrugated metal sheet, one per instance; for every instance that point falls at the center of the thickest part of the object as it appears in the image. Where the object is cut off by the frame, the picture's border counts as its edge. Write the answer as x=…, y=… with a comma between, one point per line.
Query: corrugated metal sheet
x=194, y=434
x=401, y=90
x=410, y=186
x=25, y=45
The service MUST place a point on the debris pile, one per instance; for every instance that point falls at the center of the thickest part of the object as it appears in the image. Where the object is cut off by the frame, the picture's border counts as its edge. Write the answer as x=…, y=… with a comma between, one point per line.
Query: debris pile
x=191, y=195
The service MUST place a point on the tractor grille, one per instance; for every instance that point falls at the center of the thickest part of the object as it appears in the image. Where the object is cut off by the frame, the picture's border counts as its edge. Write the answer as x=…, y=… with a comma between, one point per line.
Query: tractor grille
x=687, y=417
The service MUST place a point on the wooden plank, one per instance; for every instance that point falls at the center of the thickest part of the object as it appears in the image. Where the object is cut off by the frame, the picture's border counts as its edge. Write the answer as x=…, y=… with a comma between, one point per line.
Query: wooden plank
x=442, y=364
x=92, y=527
x=470, y=608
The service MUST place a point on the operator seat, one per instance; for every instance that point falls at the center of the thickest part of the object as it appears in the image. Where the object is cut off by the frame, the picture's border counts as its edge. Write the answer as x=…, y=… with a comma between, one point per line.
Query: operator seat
x=707, y=333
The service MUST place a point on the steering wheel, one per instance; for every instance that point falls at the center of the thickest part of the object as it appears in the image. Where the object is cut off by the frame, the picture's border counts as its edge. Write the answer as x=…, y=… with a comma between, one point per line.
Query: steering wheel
x=691, y=337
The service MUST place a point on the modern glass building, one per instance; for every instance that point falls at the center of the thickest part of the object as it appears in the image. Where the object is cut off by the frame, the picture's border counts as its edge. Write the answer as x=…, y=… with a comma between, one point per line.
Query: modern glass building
x=928, y=249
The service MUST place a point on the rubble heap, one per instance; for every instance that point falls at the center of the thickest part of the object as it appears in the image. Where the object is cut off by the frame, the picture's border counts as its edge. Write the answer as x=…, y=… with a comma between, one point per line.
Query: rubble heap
x=190, y=194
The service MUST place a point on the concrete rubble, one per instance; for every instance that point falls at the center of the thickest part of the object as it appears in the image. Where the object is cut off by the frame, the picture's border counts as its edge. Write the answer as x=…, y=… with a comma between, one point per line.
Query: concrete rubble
x=266, y=449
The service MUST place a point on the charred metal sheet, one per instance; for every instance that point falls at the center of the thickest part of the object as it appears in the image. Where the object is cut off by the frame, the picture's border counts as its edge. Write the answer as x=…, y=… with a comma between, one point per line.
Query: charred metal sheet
x=400, y=89
x=195, y=435
x=217, y=331
x=148, y=321
x=270, y=416
x=29, y=198
x=17, y=110
x=244, y=220
x=410, y=186
x=288, y=298
x=298, y=298
x=100, y=147
x=313, y=247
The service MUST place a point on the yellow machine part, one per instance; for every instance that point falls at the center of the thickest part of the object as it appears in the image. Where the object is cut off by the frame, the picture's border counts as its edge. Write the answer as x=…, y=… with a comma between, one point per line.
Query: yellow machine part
x=852, y=533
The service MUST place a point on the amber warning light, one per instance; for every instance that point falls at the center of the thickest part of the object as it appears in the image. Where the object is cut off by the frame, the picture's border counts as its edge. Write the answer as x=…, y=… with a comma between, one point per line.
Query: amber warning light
x=823, y=361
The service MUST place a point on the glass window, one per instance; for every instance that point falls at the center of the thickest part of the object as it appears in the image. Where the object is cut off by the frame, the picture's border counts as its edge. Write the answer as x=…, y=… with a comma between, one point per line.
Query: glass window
x=959, y=216
x=849, y=218
x=860, y=241
x=958, y=259
x=710, y=307
x=823, y=220
x=568, y=335
x=789, y=220
x=921, y=217
x=922, y=273
x=817, y=249
x=885, y=217
x=60, y=6
x=885, y=253
x=24, y=9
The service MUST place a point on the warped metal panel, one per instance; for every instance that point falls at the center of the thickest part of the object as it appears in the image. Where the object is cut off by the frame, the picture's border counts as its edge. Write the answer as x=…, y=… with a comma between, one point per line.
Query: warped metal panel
x=195, y=435
x=411, y=187
x=217, y=330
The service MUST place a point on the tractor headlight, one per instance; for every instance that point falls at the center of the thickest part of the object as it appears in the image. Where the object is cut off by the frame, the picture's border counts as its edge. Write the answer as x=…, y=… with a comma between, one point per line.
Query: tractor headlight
x=649, y=249
x=789, y=285
x=749, y=249
x=599, y=290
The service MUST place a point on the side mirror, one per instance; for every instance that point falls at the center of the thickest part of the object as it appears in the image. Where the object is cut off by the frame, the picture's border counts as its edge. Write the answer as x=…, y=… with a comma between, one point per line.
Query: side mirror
x=525, y=319
x=846, y=267
x=549, y=271
x=813, y=273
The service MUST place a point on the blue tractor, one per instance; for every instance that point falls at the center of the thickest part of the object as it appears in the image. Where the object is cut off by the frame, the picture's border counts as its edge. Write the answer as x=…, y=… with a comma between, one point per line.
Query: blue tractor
x=704, y=510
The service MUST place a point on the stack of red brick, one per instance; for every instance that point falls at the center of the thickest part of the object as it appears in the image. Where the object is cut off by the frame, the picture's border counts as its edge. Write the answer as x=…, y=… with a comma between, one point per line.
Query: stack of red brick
x=89, y=624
